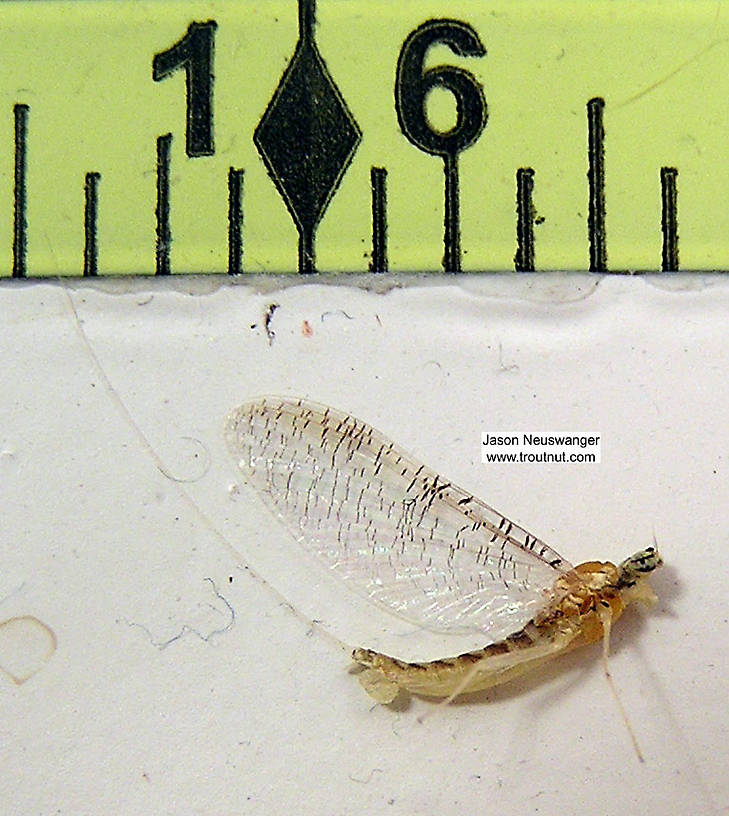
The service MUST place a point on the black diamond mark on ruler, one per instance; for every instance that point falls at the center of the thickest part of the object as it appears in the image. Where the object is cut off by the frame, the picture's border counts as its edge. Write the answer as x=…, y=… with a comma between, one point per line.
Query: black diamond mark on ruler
x=307, y=137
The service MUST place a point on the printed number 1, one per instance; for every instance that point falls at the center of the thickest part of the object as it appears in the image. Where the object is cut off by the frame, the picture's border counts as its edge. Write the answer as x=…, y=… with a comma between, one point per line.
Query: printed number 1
x=194, y=53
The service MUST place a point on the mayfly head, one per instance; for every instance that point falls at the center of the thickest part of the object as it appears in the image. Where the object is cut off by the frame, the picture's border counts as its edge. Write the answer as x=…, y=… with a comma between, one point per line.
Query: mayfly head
x=638, y=566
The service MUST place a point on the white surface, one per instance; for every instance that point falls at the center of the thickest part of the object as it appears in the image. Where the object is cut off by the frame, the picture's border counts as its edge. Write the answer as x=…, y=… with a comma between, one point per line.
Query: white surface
x=117, y=505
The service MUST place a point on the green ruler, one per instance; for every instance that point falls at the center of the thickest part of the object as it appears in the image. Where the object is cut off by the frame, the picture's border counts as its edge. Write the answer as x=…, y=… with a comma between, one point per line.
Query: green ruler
x=270, y=136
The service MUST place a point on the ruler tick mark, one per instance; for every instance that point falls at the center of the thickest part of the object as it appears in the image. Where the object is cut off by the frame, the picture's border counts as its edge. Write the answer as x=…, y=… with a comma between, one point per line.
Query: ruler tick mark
x=164, y=234
x=452, y=217
x=91, y=249
x=596, y=179
x=669, y=219
x=524, y=258
x=378, y=178
x=20, y=223
x=235, y=221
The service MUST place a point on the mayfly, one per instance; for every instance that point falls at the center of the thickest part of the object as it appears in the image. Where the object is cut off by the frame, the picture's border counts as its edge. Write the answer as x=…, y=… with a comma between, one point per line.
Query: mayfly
x=426, y=550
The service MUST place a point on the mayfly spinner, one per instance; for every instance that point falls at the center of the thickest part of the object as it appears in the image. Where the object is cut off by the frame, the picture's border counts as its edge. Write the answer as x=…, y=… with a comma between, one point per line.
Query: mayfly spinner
x=426, y=550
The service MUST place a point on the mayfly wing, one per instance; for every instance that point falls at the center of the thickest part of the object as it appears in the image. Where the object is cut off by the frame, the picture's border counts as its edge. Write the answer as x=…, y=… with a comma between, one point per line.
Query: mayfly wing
x=391, y=528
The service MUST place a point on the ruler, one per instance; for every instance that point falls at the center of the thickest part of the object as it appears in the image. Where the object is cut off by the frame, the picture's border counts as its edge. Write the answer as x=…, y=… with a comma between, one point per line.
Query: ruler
x=270, y=136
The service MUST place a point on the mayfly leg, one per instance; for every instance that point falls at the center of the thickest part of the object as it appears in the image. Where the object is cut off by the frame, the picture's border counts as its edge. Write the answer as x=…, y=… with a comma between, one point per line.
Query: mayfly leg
x=606, y=619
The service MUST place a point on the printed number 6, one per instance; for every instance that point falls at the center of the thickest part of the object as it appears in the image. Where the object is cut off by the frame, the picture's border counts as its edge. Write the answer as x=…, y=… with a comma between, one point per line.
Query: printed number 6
x=412, y=85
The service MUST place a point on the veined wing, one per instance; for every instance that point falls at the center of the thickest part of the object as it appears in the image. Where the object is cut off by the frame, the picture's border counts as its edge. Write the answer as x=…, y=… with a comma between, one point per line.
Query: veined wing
x=394, y=530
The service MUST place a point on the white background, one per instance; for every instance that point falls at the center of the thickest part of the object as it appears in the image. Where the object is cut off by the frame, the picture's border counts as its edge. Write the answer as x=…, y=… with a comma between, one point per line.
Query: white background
x=174, y=694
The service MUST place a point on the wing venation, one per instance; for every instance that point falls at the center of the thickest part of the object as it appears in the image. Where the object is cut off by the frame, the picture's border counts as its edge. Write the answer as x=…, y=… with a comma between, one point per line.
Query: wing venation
x=391, y=528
